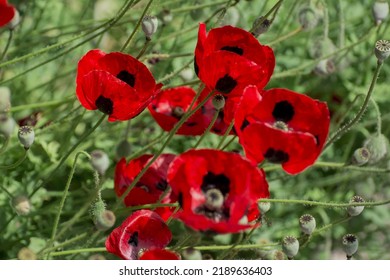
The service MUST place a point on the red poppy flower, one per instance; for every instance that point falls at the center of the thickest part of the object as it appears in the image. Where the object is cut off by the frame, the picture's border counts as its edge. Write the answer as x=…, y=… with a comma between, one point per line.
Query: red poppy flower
x=217, y=191
x=283, y=127
x=228, y=59
x=143, y=230
x=116, y=84
x=7, y=13
x=159, y=254
x=151, y=185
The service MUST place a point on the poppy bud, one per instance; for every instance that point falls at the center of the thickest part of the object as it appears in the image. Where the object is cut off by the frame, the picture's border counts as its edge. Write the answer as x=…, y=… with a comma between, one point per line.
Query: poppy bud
x=361, y=156
x=380, y=11
x=377, y=145
x=231, y=17
x=7, y=125
x=21, y=204
x=26, y=136
x=149, y=26
x=105, y=220
x=260, y=28
x=264, y=207
x=5, y=99
x=100, y=161
x=166, y=16
x=307, y=223
x=290, y=246
x=26, y=254
x=187, y=74
x=15, y=21
x=355, y=210
x=350, y=244
x=382, y=50
x=308, y=18
x=191, y=254
x=123, y=149
x=218, y=102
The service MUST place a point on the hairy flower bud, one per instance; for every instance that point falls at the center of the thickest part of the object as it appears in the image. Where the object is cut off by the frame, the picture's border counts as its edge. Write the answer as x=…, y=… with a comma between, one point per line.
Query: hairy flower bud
x=307, y=223
x=105, y=220
x=100, y=161
x=191, y=254
x=21, y=204
x=355, y=210
x=26, y=136
x=377, y=145
x=382, y=50
x=149, y=26
x=290, y=246
x=7, y=125
x=380, y=10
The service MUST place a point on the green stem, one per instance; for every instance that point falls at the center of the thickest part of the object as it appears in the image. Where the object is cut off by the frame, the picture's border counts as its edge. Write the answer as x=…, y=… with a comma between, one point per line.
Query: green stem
x=63, y=244
x=143, y=50
x=225, y=135
x=6, y=191
x=273, y=10
x=358, y=116
x=7, y=45
x=62, y=203
x=128, y=41
x=229, y=142
x=208, y=129
x=77, y=251
x=285, y=37
x=16, y=164
x=53, y=103
x=378, y=117
x=324, y=204
x=196, y=7
x=5, y=145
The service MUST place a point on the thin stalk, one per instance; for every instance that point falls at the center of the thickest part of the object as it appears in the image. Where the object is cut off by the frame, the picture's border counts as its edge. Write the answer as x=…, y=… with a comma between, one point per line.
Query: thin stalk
x=208, y=129
x=324, y=204
x=10, y=35
x=378, y=117
x=15, y=164
x=225, y=135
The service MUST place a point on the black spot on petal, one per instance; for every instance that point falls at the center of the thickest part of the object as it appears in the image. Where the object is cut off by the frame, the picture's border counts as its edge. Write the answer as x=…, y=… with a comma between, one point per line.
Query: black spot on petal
x=126, y=77
x=244, y=124
x=317, y=139
x=219, y=181
x=233, y=49
x=196, y=67
x=180, y=200
x=225, y=84
x=133, y=240
x=104, y=105
x=276, y=156
x=283, y=111
x=190, y=124
x=162, y=185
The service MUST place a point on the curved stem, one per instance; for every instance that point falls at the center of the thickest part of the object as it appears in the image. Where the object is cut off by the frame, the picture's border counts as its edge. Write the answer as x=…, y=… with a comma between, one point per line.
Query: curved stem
x=358, y=116
x=324, y=204
x=7, y=45
x=6, y=191
x=285, y=37
x=5, y=144
x=143, y=50
x=16, y=164
x=378, y=117
x=128, y=41
x=225, y=135
x=62, y=203
x=52, y=103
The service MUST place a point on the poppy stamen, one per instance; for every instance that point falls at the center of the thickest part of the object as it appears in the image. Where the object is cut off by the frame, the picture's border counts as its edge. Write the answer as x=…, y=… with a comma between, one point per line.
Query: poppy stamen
x=281, y=125
x=214, y=199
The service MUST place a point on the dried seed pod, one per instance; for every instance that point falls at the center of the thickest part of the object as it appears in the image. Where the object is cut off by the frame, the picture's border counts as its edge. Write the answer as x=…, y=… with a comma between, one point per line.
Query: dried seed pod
x=290, y=246
x=355, y=210
x=26, y=136
x=307, y=223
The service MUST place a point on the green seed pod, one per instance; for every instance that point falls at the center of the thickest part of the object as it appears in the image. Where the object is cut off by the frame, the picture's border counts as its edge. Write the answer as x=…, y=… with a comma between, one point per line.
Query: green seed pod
x=218, y=102
x=380, y=10
x=260, y=26
x=377, y=145
x=290, y=246
x=26, y=136
x=382, y=50
x=7, y=125
x=191, y=254
x=355, y=210
x=123, y=150
x=100, y=161
x=361, y=156
x=307, y=223
x=105, y=220
x=26, y=254
x=5, y=99
x=149, y=26
x=264, y=207
x=350, y=244
x=21, y=205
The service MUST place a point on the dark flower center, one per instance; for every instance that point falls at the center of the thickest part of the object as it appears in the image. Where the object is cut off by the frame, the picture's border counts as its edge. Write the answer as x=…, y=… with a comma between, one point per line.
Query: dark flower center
x=225, y=84
x=104, y=105
x=126, y=77
x=276, y=156
x=233, y=49
x=133, y=240
x=283, y=111
x=177, y=112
